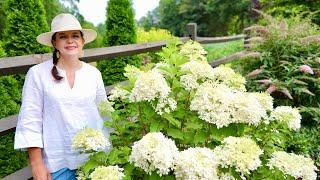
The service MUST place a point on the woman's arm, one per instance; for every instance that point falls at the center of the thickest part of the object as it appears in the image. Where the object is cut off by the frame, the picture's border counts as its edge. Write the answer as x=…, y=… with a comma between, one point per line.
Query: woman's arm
x=39, y=169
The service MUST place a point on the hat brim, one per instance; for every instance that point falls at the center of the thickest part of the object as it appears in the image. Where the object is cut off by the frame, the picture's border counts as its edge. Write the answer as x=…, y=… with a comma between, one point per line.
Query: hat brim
x=88, y=35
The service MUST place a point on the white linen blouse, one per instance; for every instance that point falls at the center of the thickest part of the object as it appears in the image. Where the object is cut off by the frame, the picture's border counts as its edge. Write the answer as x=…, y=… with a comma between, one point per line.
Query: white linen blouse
x=52, y=112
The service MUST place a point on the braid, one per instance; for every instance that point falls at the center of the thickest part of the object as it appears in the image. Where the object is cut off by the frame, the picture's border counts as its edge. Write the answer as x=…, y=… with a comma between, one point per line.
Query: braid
x=54, y=70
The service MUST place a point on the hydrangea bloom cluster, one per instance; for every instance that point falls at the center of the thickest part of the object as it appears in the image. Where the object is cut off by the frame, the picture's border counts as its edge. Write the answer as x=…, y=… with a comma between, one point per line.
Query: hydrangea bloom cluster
x=239, y=152
x=265, y=100
x=88, y=140
x=193, y=50
x=107, y=173
x=80, y=175
x=293, y=165
x=226, y=176
x=220, y=105
x=189, y=82
x=200, y=70
x=154, y=152
x=212, y=102
x=226, y=75
x=246, y=109
x=149, y=86
x=287, y=114
x=196, y=163
x=105, y=108
x=165, y=105
x=118, y=93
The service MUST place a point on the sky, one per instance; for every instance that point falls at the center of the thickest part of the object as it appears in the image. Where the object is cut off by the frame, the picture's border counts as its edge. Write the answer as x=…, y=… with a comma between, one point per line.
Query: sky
x=95, y=10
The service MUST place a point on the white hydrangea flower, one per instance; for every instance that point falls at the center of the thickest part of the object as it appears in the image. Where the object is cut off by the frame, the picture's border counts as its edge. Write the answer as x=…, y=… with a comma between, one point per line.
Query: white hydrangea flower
x=198, y=69
x=226, y=75
x=118, y=92
x=226, y=176
x=195, y=163
x=80, y=175
x=287, y=114
x=166, y=105
x=265, y=99
x=105, y=108
x=189, y=82
x=247, y=109
x=88, y=139
x=107, y=173
x=154, y=152
x=212, y=103
x=193, y=50
x=294, y=165
x=239, y=152
x=149, y=86
x=220, y=105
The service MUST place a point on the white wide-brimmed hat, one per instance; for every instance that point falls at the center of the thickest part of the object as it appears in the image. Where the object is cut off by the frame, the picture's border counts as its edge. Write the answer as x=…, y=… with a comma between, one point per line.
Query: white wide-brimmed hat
x=66, y=22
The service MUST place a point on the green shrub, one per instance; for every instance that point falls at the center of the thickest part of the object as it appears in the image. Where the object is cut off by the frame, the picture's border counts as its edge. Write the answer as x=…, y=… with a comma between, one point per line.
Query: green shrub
x=151, y=36
x=25, y=21
x=11, y=160
x=182, y=105
x=307, y=141
x=2, y=53
x=10, y=95
x=288, y=68
x=120, y=30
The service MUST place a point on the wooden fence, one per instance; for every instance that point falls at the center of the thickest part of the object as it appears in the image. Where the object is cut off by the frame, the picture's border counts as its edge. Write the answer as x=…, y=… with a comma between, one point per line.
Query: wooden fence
x=21, y=64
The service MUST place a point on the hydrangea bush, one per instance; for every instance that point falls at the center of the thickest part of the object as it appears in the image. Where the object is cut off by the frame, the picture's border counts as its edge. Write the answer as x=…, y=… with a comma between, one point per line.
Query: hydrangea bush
x=183, y=119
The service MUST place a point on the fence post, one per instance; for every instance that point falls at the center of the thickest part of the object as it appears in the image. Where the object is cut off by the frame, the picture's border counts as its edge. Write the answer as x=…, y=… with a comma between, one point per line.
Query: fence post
x=192, y=31
x=246, y=44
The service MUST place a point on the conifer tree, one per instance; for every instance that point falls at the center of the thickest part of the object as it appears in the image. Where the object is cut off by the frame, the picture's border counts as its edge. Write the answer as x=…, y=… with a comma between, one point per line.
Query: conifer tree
x=120, y=30
x=25, y=21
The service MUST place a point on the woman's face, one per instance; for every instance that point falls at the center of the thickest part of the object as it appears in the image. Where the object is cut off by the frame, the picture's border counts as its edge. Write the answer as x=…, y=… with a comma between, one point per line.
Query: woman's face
x=68, y=43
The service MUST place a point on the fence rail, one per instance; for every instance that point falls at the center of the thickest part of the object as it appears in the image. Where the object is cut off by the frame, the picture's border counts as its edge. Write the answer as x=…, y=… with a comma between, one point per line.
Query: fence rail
x=21, y=64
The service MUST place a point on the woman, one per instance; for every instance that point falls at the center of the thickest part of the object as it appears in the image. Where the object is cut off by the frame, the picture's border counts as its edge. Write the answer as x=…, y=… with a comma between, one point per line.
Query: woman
x=60, y=97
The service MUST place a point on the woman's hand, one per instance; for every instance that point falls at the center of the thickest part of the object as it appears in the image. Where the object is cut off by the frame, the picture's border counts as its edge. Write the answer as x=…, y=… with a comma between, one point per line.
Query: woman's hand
x=40, y=171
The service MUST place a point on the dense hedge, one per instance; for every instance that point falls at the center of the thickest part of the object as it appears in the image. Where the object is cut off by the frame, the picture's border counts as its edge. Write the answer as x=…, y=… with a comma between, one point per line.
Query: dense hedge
x=10, y=95
x=24, y=21
x=120, y=30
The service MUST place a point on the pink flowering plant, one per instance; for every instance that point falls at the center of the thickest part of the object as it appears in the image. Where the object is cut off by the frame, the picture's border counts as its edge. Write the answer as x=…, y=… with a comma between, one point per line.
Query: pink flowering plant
x=289, y=69
x=183, y=119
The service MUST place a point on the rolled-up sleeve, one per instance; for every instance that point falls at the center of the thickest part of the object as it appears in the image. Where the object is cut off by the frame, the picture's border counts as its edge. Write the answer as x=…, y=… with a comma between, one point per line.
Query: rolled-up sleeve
x=29, y=126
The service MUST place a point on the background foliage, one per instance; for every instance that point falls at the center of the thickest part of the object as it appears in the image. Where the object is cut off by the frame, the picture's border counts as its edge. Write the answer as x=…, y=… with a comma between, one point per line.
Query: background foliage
x=214, y=17
x=25, y=20
x=120, y=30
x=285, y=45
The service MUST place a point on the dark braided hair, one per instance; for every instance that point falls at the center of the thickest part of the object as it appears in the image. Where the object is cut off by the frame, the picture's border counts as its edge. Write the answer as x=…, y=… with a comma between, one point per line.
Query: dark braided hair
x=54, y=70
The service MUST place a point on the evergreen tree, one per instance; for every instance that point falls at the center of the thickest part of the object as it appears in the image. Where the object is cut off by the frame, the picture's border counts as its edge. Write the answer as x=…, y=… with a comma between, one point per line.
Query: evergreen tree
x=2, y=18
x=25, y=21
x=120, y=30
x=52, y=8
x=2, y=53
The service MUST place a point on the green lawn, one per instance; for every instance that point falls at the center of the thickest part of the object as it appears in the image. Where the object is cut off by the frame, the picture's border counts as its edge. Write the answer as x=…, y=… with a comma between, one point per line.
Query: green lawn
x=218, y=50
